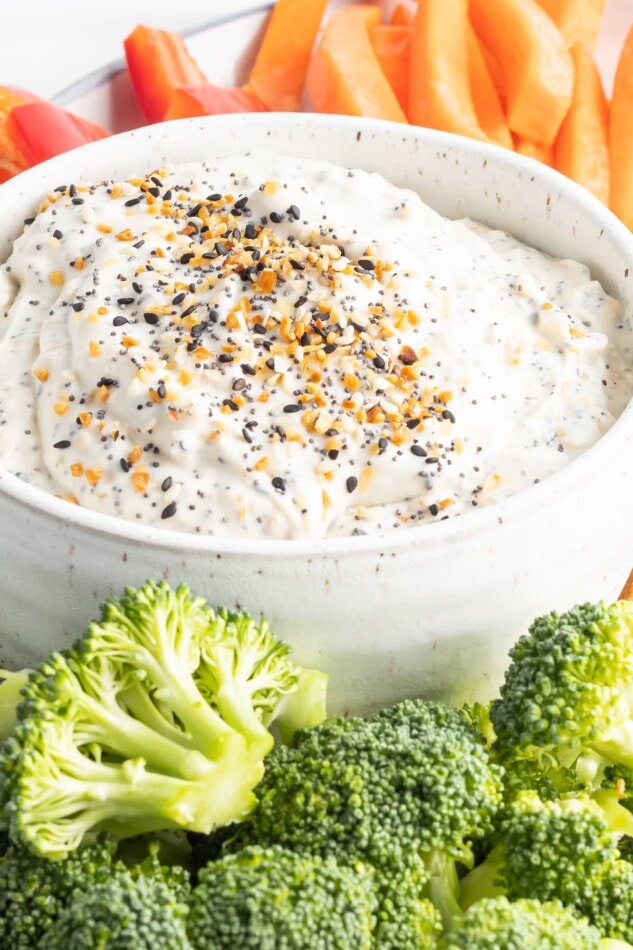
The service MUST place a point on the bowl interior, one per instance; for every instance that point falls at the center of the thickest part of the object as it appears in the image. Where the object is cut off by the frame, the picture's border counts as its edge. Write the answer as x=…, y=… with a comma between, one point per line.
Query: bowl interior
x=456, y=176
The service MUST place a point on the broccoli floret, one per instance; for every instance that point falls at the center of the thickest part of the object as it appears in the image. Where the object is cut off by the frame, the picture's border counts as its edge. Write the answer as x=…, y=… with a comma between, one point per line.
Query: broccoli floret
x=565, y=695
x=157, y=718
x=414, y=780
x=128, y=911
x=274, y=899
x=34, y=890
x=549, y=850
x=404, y=918
x=10, y=687
x=498, y=924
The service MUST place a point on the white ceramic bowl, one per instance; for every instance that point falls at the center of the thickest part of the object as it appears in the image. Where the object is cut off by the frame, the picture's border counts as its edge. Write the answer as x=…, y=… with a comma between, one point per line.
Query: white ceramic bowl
x=430, y=610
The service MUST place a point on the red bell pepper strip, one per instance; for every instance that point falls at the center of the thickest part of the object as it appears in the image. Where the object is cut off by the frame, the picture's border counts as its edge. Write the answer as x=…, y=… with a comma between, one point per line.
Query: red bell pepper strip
x=189, y=101
x=41, y=130
x=159, y=62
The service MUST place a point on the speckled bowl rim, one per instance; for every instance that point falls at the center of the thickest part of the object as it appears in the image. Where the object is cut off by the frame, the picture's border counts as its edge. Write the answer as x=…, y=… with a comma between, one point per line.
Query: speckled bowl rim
x=481, y=522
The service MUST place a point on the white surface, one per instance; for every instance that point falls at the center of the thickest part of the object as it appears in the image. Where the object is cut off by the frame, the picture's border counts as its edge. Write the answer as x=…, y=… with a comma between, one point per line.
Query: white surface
x=48, y=45
x=425, y=611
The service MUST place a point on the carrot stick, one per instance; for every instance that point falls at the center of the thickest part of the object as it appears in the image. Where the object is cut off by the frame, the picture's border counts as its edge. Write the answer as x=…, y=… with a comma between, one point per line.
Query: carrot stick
x=621, y=136
x=538, y=72
x=485, y=97
x=344, y=75
x=542, y=153
x=392, y=46
x=578, y=20
x=12, y=160
x=279, y=71
x=439, y=88
x=403, y=13
x=581, y=150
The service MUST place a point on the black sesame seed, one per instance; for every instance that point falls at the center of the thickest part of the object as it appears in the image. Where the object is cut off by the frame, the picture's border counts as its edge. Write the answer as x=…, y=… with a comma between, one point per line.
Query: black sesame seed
x=447, y=414
x=123, y=301
x=58, y=235
x=249, y=370
x=378, y=362
x=258, y=328
x=178, y=299
x=169, y=511
x=299, y=302
x=293, y=407
x=238, y=384
x=119, y=321
x=250, y=232
x=189, y=256
x=434, y=509
x=77, y=201
x=161, y=390
x=64, y=444
x=225, y=358
x=333, y=454
x=166, y=483
x=78, y=306
x=214, y=197
x=220, y=248
x=419, y=451
x=279, y=484
x=151, y=318
x=125, y=465
x=365, y=263
x=351, y=484
x=133, y=201
x=275, y=217
x=297, y=265
x=241, y=203
x=247, y=436
x=232, y=405
x=189, y=310
x=136, y=287
x=329, y=347
x=294, y=212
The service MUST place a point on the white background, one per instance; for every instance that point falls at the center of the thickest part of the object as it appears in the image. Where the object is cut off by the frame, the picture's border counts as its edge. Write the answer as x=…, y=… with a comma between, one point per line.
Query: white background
x=49, y=44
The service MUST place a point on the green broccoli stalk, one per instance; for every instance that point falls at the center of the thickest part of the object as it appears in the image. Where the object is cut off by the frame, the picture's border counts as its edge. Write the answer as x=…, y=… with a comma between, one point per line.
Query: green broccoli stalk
x=155, y=719
x=566, y=694
x=274, y=899
x=495, y=923
x=414, y=780
x=10, y=688
x=554, y=850
x=128, y=911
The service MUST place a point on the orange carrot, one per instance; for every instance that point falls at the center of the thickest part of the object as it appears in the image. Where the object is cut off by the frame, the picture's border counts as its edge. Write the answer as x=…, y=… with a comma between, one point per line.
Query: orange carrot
x=578, y=20
x=403, y=13
x=621, y=136
x=542, y=153
x=12, y=160
x=581, y=150
x=344, y=75
x=439, y=90
x=392, y=46
x=538, y=72
x=190, y=101
x=279, y=71
x=495, y=70
x=485, y=97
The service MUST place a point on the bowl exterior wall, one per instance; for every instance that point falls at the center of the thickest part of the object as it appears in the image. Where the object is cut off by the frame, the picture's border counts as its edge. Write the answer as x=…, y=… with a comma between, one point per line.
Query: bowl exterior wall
x=427, y=611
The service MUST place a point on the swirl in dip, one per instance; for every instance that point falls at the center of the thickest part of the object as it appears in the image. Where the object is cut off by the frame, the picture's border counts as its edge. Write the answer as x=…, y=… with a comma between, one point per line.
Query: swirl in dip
x=289, y=349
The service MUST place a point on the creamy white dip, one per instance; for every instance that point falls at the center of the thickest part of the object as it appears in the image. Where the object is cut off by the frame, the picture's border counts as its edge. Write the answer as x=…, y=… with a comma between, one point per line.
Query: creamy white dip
x=269, y=348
